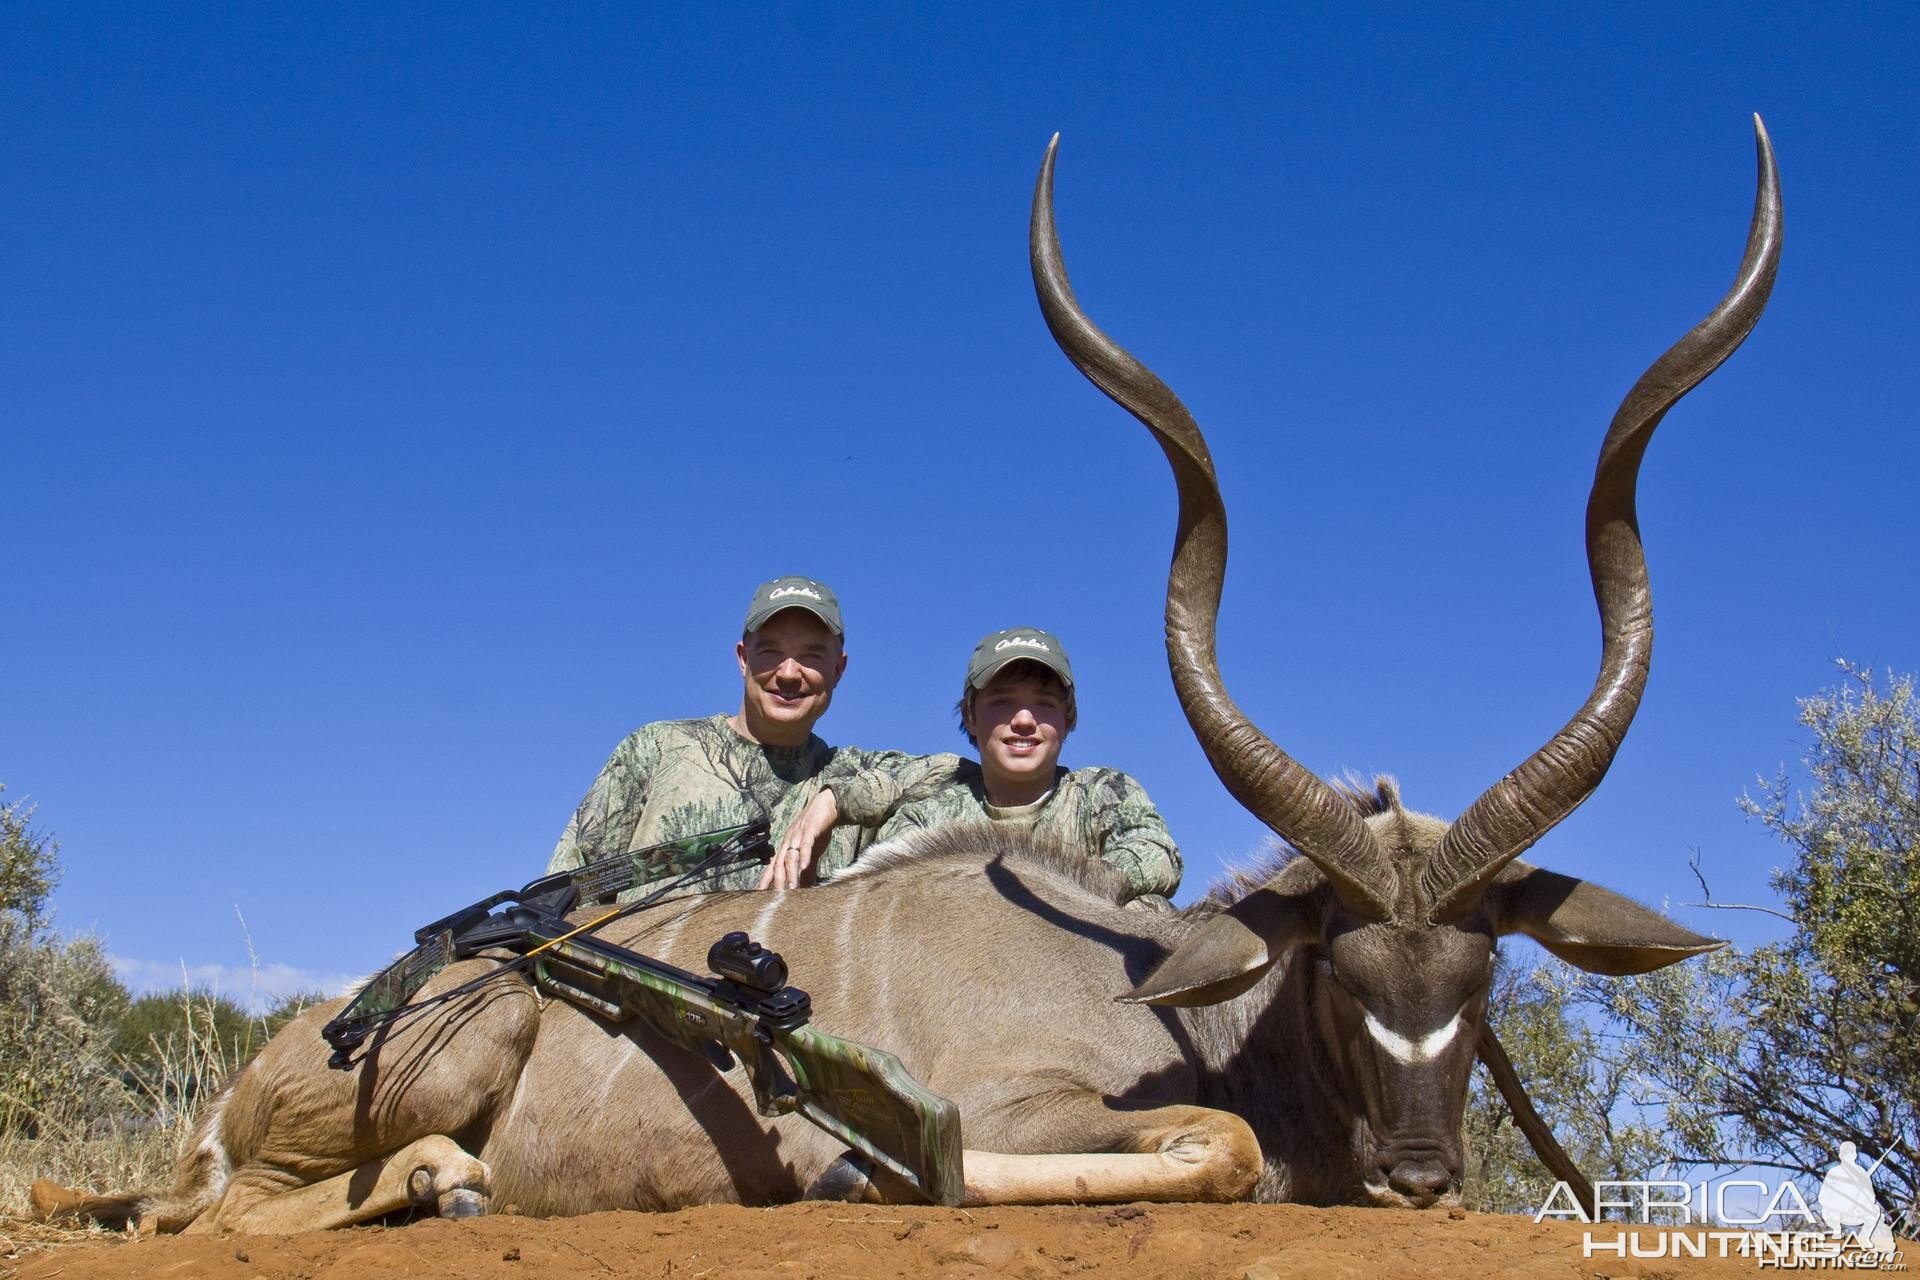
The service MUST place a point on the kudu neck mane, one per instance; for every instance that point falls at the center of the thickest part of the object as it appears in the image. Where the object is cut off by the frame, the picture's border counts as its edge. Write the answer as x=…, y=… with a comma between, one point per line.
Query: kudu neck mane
x=982, y=842
x=1400, y=830
x=1407, y=837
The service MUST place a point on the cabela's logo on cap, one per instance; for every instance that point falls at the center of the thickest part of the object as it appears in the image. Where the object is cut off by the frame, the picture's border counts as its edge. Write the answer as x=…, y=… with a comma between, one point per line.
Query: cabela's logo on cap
x=780, y=593
x=1023, y=642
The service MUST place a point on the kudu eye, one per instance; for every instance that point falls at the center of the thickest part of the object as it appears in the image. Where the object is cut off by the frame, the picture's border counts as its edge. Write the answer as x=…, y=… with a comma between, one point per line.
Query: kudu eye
x=1323, y=963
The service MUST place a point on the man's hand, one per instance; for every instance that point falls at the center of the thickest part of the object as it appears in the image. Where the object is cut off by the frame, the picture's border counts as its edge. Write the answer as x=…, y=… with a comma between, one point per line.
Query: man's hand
x=801, y=842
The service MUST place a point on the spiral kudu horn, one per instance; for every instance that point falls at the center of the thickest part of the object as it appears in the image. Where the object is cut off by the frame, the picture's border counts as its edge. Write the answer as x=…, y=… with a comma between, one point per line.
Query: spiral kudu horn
x=1276, y=788
x=1553, y=781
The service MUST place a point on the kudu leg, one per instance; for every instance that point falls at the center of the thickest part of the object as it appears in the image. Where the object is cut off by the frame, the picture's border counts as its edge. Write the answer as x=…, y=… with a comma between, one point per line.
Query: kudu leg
x=1170, y=1153
x=302, y=1146
x=433, y=1174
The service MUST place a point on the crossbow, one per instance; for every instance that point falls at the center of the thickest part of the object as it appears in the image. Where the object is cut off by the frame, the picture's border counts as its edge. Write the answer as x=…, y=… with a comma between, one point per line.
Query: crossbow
x=746, y=1013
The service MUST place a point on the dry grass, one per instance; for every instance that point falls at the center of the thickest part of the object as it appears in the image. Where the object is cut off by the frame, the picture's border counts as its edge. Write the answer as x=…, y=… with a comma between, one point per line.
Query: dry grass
x=134, y=1154
x=154, y=1119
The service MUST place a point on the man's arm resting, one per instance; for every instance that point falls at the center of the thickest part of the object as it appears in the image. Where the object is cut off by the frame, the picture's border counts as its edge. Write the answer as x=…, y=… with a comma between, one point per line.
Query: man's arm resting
x=801, y=842
x=869, y=786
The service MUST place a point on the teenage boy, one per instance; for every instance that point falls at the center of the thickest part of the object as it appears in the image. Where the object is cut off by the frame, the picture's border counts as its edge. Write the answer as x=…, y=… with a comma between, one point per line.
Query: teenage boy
x=1017, y=708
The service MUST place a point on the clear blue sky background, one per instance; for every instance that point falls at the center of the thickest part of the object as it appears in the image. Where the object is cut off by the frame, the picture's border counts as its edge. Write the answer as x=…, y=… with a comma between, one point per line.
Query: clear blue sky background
x=398, y=405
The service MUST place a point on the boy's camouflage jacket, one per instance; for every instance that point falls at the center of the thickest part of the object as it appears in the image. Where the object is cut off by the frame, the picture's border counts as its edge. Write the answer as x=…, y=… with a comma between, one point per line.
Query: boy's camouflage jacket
x=1102, y=812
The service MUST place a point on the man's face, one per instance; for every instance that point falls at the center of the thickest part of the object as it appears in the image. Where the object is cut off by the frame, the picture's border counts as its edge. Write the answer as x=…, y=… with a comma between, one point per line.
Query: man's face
x=1019, y=722
x=791, y=665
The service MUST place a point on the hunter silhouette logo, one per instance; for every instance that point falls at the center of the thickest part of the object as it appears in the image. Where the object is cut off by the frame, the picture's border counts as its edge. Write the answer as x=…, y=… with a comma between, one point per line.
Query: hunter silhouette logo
x=1848, y=1205
x=1023, y=642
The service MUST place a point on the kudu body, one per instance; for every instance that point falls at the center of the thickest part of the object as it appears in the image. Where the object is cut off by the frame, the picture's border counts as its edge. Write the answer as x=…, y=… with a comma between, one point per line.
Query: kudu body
x=1314, y=1028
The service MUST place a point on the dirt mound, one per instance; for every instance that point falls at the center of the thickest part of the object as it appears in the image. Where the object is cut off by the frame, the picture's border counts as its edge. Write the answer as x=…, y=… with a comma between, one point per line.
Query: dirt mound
x=1231, y=1242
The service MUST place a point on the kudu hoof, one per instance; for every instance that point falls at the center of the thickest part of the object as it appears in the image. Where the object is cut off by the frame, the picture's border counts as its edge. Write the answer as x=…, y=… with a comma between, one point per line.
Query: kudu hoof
x=424, y=1190
x=464, y=1202
x=849, y=1178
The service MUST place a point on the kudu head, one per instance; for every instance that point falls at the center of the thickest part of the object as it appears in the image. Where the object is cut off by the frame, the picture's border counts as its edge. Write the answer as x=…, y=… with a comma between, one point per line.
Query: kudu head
x=1394, y=913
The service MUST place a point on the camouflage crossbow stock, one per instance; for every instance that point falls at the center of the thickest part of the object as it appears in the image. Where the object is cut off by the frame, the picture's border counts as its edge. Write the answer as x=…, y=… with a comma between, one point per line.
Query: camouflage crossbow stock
x=746, y=1013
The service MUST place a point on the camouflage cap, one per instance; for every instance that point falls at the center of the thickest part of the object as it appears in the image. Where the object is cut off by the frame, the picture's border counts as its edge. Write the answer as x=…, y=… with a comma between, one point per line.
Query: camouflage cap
x=816, y=598
x=1018, y=644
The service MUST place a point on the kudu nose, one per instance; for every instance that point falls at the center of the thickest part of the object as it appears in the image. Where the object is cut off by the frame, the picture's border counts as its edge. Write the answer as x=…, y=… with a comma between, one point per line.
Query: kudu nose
x=1421, y=1179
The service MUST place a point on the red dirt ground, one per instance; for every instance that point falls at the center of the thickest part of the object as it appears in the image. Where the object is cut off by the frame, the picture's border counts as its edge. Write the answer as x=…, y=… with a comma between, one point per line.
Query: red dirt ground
x=800, y=1242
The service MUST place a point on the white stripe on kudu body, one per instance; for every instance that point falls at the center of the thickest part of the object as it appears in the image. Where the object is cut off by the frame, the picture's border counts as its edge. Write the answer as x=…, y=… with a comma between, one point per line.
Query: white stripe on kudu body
x=1425, y=1049
x=759, y=930
x=843, y=942
x=662, y=942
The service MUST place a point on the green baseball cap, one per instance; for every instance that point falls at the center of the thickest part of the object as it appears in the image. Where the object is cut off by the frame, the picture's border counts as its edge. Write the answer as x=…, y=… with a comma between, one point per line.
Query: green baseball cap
x=816, y=598
x=1018, y=644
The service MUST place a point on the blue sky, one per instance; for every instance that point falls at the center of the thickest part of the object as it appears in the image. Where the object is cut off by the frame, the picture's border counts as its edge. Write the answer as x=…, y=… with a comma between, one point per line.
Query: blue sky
x=398, y=407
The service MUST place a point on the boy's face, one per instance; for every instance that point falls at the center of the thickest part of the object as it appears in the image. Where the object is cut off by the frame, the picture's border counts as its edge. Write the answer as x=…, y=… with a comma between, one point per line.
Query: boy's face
x=1019, y=722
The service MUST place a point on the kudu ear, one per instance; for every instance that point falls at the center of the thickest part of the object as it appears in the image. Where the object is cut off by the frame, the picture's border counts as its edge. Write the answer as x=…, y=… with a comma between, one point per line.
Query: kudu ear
x=1229, y=953
x=1594, y=928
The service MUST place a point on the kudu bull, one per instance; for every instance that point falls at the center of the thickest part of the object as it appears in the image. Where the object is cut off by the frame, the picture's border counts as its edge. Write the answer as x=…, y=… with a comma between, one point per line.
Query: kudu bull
x=1308, y=1039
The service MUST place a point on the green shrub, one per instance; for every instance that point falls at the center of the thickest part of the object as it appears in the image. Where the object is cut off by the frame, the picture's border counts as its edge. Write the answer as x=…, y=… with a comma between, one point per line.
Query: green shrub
x=59, y=1000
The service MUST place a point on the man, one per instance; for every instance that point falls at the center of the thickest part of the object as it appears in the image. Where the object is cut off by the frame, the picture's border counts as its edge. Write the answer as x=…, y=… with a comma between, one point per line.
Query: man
x=677, y=778
x=1017, y=708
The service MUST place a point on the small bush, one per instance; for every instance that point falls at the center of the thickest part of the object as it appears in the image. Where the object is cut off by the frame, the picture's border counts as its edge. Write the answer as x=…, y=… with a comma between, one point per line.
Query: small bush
x=59, y=999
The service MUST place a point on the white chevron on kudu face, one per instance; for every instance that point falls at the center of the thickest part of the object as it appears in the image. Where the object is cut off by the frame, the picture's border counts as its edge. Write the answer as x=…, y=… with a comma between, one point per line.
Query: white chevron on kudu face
x=1424, y=1049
